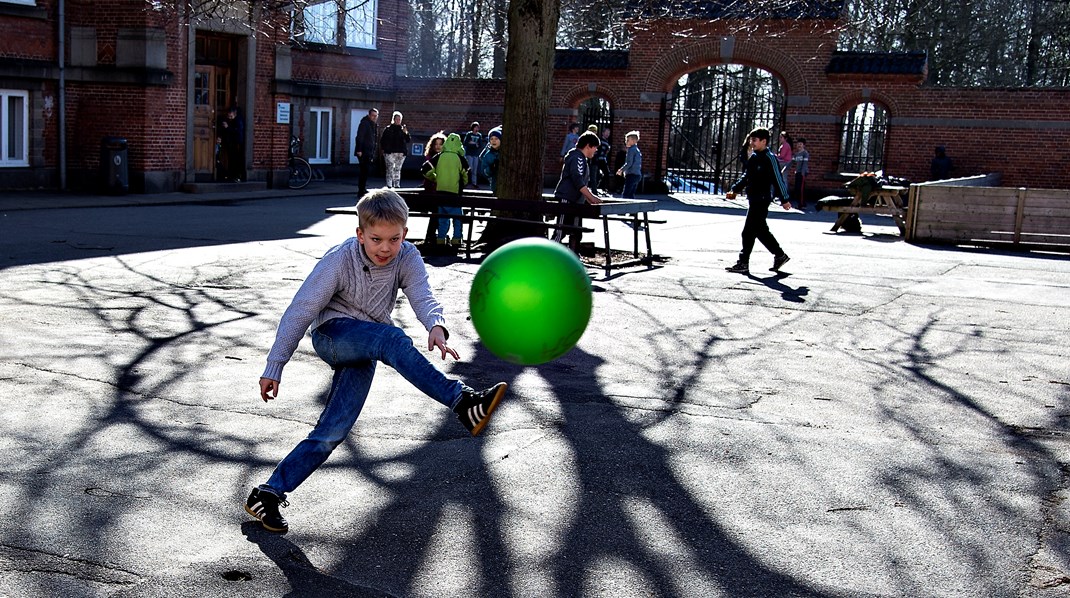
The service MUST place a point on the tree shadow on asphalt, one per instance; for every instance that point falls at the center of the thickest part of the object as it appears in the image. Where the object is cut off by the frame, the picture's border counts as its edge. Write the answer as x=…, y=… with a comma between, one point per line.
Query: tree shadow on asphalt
x=615, y=465
x=615, y=462
x=304, y=578
x=968, y=484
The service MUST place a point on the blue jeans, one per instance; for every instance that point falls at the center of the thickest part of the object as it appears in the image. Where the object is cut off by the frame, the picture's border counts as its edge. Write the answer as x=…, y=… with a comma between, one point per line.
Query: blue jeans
x=444, y=222
x=473, y=168
x=631, y=183
x=352, y=347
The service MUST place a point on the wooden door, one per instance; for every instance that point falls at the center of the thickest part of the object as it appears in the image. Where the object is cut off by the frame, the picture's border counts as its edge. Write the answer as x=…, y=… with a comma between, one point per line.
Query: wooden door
x=212, y=93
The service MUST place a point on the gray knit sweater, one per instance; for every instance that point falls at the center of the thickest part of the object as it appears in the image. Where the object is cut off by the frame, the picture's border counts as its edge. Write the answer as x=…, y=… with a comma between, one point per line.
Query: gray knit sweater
x=346, y=284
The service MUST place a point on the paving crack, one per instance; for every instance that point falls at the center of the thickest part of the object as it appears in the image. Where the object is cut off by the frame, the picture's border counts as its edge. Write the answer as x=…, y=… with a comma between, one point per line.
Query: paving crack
x=32, y=560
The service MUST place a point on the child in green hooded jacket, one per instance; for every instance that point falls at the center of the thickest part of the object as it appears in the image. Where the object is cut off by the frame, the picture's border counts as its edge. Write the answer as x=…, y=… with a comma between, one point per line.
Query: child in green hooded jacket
x=449, y=170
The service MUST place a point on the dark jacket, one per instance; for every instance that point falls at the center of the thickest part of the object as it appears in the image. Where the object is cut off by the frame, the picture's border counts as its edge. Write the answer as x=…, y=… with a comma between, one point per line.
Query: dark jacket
x=395, y=140
x=575, y=174
x=474, y=142
x=367, y=138
x=762, y=178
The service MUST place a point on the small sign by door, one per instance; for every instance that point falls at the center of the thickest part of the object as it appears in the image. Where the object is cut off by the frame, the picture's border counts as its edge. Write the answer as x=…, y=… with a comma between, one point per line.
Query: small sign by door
x=282, y=113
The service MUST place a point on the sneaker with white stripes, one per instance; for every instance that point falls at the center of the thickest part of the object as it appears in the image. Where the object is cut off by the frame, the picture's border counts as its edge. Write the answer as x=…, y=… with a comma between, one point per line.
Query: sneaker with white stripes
x=265, y=507
x=476, y=407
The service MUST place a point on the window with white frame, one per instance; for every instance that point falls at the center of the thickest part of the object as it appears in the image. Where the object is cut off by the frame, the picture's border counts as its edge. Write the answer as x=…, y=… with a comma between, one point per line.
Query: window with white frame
x=351, y=23
x=22, y=2
x=14, y=128
x=359, y=23
x=319, y=133
x=321, y=23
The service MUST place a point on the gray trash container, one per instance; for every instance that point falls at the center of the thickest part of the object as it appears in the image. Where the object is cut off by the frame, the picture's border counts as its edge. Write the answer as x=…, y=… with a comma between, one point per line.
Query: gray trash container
x=113, y=165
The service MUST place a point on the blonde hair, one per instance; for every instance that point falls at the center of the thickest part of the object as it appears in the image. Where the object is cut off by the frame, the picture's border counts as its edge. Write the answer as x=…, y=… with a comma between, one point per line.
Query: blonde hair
x=632, y=134
x=381, y=206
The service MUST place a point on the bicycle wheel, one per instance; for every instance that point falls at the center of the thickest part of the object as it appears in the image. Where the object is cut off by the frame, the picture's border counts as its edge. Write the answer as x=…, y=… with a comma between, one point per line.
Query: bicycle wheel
x=300, y=173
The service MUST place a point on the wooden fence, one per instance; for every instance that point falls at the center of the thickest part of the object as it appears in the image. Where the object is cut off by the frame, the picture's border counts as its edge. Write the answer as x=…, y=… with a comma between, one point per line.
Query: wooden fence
x=967, y=212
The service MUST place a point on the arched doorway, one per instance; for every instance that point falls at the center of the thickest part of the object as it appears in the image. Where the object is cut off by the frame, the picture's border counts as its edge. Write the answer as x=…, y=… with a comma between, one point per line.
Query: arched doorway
x=711, y=112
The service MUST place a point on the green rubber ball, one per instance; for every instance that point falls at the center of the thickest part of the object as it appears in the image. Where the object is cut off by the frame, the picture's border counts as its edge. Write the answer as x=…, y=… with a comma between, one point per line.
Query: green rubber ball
x=530, y=301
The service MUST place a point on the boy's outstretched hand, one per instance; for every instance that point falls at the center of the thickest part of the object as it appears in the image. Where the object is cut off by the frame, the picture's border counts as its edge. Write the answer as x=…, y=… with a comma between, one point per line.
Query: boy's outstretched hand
x=267, y=385
x=437, y=338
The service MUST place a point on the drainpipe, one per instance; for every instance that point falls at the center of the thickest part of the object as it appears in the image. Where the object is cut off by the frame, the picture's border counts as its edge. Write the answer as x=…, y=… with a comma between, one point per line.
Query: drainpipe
x=62, y=101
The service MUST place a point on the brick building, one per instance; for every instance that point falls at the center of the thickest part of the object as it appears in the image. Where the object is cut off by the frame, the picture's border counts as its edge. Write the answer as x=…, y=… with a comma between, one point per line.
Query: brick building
x=121, y=70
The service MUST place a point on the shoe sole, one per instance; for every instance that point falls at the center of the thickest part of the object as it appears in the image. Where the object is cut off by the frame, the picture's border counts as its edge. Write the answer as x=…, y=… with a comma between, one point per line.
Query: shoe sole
x=490, y=410
x=277, y=530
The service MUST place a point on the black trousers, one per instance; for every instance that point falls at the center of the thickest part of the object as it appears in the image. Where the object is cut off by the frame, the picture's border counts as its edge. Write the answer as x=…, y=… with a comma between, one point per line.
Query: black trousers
x=363, y=168
x=756, y=227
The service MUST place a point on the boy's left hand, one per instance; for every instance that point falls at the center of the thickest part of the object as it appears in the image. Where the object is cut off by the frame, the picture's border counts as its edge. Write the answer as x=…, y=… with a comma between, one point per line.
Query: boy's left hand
x=437, y=338
x=786, y=205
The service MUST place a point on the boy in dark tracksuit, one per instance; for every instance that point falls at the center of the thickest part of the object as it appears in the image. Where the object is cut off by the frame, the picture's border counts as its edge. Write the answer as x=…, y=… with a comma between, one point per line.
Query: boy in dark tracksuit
x=763, y=181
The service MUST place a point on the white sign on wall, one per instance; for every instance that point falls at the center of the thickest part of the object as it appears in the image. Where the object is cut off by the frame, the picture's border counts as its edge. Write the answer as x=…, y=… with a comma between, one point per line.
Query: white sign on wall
x=282, y=113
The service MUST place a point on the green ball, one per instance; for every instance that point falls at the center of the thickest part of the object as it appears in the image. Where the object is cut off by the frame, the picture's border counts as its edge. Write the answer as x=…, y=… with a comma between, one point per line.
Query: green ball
x=530, y=301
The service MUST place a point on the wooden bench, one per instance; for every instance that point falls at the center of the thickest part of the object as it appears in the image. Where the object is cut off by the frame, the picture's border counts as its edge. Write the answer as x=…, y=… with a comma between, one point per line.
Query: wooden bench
x=886, y=201
x=481, y=206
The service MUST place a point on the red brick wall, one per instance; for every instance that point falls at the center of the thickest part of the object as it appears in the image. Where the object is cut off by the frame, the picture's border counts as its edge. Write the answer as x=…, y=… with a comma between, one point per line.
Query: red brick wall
x=29, y=37
x=1021, y=133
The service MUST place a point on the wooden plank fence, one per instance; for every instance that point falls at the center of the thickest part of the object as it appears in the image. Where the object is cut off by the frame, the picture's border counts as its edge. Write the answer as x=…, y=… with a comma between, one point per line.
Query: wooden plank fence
x=974, y=214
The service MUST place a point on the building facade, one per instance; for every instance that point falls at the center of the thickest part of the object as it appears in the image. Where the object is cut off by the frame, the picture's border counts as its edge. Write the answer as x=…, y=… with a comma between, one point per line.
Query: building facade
x=77, y=73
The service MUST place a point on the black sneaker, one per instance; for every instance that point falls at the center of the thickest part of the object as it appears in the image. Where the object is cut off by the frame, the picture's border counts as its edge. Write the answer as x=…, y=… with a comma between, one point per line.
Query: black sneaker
x=739, y=267
x=779, y=261
x=475, y=407
x=265, y=507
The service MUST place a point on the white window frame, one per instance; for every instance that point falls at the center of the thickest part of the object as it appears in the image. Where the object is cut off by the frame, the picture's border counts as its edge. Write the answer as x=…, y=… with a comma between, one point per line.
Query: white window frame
x=321, y=23
x=360, y=23
x=319, y=133
x=356, y=20
x=22, y=2
x=6, y=123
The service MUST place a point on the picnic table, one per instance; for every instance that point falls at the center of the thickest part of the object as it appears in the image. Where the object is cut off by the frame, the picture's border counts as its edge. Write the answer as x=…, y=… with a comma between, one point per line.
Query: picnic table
x=874, y=199
x=482, y=206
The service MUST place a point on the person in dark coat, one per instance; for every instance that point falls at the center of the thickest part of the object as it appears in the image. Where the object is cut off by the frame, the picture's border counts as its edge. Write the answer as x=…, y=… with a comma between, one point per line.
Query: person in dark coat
x=365, y=147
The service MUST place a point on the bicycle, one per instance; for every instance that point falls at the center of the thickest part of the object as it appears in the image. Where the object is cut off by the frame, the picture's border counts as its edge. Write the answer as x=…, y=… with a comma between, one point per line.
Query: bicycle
x=300, y=170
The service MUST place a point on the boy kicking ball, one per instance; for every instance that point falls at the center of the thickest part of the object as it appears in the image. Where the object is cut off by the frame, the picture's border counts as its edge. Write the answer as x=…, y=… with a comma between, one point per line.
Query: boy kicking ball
x=347, y=300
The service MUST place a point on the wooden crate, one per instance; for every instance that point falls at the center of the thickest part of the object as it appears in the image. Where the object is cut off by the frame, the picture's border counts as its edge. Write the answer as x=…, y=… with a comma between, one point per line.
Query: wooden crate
x=960, y=214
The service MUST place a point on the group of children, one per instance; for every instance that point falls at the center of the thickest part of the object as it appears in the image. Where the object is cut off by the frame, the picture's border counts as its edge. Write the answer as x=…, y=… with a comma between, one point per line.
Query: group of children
x=452, y=163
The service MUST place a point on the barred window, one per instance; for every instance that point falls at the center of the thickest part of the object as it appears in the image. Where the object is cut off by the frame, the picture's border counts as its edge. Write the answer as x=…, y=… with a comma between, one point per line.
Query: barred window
x=862, y=136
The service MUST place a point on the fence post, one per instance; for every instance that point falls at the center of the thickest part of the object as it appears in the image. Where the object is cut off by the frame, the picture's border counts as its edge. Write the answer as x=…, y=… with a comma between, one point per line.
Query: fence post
x=1019, y=214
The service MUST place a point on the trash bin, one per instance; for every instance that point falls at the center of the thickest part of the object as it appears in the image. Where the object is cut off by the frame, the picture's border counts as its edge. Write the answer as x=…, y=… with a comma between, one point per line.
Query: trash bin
x=113, y=165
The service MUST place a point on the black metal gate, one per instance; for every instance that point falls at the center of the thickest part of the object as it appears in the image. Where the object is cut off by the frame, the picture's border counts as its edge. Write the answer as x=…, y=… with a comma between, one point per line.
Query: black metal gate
x=595, y=111
x=862, y=135
x=711, y=112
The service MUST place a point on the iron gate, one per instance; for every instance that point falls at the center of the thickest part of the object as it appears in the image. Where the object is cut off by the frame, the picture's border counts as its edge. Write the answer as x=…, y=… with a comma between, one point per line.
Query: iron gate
x=712, y=111
x=862, y=135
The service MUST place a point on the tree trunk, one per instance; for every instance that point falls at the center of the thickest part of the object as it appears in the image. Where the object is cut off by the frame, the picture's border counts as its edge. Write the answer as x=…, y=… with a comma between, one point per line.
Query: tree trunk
x=528, y=81
x=498, y=70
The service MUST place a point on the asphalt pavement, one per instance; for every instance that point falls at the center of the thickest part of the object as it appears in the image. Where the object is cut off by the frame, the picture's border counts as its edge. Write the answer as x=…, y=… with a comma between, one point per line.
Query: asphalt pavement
x=879, y=419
